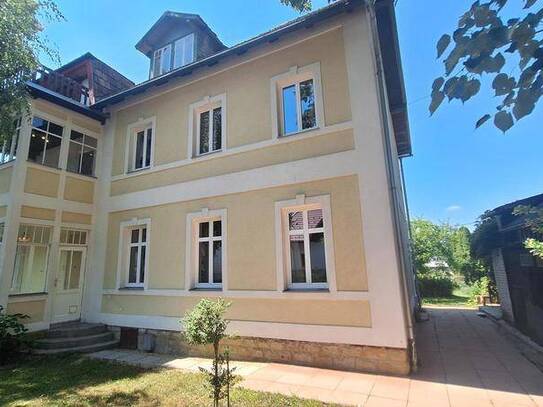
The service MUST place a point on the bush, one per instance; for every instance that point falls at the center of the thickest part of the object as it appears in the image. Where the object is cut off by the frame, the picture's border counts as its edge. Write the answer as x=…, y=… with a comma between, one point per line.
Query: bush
x=13, y=337
x=435, y=285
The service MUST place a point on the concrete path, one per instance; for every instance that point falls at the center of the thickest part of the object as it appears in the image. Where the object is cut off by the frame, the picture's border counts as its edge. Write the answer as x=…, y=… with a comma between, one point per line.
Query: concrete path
x=464, y=362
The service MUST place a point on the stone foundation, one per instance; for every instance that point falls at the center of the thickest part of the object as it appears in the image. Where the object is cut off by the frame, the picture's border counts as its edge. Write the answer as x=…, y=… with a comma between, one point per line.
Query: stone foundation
x=324, y=355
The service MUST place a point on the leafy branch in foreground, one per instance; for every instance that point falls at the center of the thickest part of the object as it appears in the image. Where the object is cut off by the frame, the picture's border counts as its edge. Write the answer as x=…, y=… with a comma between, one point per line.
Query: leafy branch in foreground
x=534, y=220
x=484, y=43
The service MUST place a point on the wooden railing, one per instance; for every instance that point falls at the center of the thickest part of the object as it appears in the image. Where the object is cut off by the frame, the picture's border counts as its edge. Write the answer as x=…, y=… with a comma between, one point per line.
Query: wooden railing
x=62, y=84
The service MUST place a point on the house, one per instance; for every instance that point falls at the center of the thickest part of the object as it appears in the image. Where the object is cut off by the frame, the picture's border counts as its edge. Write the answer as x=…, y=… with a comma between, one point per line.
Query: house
x=267, y=173
x=518, y=274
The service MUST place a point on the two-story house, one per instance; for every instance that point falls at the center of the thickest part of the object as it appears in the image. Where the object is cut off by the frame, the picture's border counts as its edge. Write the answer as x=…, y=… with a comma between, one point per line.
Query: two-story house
x=267, y=173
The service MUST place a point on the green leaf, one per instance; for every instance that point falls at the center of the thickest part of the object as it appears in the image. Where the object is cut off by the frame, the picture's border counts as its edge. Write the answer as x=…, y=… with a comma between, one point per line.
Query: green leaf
x=438, y=83
x=503, y=84
x=529, y=3
x=437, y=98
x=503, y=120
x=482, y=120
x=524, y=103
x=442, y=44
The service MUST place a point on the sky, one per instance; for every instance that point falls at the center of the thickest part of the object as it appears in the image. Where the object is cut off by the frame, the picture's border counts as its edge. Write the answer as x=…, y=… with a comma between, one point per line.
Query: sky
x=456, y=172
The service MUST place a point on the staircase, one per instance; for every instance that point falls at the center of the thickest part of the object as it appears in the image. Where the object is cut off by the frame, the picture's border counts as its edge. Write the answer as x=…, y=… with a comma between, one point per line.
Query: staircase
x=75, y=337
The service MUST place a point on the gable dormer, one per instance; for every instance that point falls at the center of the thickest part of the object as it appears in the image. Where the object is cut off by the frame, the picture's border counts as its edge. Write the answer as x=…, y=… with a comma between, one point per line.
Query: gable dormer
x=177, y=39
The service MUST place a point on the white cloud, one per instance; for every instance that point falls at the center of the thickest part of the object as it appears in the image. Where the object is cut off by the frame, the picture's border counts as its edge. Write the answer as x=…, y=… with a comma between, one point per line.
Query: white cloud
x=454, y=208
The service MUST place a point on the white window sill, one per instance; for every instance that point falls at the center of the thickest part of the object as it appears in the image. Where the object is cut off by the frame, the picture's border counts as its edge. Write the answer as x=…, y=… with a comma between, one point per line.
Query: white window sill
x=138, y=170
x=294, y=133
x=135, y=288
x=202, y=155
x=207, y=288
x=307, y=289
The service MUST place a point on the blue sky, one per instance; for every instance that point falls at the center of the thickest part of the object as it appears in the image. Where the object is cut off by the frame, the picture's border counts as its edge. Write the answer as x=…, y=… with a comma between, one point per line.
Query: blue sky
x=456, y=173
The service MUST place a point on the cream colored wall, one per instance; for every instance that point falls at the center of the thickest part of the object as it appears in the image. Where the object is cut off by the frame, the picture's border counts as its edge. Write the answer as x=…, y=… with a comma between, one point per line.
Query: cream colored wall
x=247, y=89
x=5, y=179
x=281, y=153
x=79, y=190
x=42, y=182
x=34, y=309
x=355, y=313
x=3, y=211
x=37, y=213
x=74, y=217
x=251, y=236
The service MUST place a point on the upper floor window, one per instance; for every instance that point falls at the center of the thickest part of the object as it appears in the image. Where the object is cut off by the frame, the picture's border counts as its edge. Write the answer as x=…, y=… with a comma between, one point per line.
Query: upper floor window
x=140, y=145
x=297, y=100
x=162, y=59
x=82, y=153
x=183, y=51
x=207, y=125
x=45, y=142
x=9, y=148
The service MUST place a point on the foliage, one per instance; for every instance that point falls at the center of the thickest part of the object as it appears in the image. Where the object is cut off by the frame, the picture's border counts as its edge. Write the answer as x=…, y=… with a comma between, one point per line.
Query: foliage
x=13, y=337
x=435, y=284
x=21, y=42
x=204, y=325
x=480, y=288
x=485, y=237
x=482, y=44
x=534, y=220
x=298, y=5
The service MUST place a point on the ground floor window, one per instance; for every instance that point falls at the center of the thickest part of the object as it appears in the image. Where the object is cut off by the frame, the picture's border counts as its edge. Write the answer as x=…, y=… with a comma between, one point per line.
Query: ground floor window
x=137, y=251
x=30, y=270
x=210, y=253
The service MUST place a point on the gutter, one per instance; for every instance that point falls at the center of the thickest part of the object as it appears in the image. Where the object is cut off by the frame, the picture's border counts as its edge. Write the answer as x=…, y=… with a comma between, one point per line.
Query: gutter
x=389, y=161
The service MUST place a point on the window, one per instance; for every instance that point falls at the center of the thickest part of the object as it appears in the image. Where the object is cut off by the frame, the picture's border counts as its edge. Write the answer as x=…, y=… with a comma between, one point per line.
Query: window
x=73, y=237
x=305, y=257
x=30, y=270
x=9, y=148
x=161, y=61
x=297, y=100
x=183, y=51
x=210, y=253
x=82, y=153
x=207, y=126
x=45, y=141
x=210, y=131
x=141, y=146
x=137, y=252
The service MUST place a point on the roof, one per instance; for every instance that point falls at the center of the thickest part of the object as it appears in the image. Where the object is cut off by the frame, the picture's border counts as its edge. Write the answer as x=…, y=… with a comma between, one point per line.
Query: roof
x=60, y=100
x=534, y=200
x=87, y=57
x=174, y=16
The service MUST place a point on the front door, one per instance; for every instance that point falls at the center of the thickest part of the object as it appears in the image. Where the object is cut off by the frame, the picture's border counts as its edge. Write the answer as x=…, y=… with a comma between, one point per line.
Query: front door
x=69, y=284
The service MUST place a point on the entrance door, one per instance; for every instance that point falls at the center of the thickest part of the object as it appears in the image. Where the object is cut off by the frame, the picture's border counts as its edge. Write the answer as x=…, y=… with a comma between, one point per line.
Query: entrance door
x=69, y=284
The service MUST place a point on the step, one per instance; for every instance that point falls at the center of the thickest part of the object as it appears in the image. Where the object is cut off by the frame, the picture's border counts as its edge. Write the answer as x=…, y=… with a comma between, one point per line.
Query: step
x=79, y=349
x=69, y=342
x=76, y=330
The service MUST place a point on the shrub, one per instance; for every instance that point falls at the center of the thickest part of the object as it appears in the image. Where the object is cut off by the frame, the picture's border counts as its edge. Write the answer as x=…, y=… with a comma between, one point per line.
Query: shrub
x=205, y=325
x=13, y=337
x=435, y=285
x=480, y=289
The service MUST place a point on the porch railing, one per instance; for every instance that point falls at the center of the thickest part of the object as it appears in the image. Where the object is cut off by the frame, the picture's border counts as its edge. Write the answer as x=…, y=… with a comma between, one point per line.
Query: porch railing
x=64, y=85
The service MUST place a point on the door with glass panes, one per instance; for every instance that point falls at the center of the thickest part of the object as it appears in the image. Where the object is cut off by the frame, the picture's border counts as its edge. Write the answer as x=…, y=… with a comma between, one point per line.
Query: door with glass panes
x=70, y=276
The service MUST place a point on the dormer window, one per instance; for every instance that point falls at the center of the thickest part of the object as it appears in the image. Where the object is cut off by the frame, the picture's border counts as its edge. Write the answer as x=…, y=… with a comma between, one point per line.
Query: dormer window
x=183, y=51
x=162, y=60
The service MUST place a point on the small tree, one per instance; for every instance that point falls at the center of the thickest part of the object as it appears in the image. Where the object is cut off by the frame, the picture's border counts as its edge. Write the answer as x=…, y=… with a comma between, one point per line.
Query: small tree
x=205, y=325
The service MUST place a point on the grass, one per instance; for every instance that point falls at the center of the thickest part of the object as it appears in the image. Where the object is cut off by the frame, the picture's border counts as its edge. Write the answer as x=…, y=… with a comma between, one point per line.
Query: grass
x=74, y=380
x=460, y=298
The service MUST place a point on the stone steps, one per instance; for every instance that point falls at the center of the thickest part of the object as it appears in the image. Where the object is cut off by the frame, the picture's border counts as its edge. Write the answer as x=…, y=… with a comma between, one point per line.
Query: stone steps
x=75, y=337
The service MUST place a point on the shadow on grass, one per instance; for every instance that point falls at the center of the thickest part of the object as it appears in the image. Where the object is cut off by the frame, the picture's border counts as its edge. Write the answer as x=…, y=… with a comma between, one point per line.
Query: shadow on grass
x=452, y=301
x=55, y=377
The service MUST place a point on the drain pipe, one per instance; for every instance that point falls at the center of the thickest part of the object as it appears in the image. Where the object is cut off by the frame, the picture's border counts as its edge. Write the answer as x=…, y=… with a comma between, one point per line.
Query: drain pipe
x=389, y=160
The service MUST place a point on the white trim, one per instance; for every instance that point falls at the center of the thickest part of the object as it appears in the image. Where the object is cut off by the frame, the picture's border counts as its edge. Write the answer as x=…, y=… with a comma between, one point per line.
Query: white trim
x=16, y=298
x=294, y=76
x=307, y=134
x=123, y=252
x=195, y=110
x=275, y=330
x=282, y=250
x=130, y=144
x=191, y=251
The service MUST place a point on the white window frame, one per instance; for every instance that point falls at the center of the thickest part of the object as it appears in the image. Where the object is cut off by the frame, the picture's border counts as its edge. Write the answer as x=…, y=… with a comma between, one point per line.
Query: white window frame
x=61, y=157
x=282, y=233
x=83, y=145
x=187, y=38
x=123, y=261
x=294, y=76
x=131, y=141
x=160, y=51
x=192, y=253
x=195, y=110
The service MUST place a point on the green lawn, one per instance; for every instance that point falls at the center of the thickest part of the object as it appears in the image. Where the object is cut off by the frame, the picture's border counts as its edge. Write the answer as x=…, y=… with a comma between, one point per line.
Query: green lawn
x=460, y=298
x=74, y=380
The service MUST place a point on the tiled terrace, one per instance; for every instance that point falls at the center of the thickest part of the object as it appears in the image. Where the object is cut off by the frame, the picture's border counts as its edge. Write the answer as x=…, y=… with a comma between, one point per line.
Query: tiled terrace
x=464, y=359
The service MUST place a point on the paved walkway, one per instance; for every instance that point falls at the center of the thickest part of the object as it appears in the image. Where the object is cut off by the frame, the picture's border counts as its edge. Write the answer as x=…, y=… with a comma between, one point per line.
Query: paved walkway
x=464, y=362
